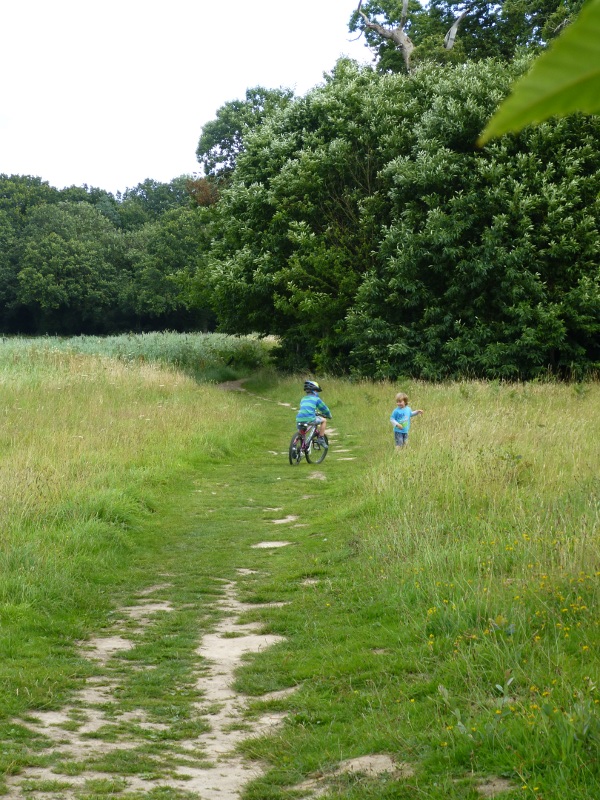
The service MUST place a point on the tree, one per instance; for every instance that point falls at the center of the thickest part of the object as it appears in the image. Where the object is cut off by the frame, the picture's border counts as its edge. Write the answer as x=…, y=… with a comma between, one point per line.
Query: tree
x=20, y=193
x=203, y=191
x=364, y=229
x=403, y=33
x=147, y=201
x=8, y=270
x=99, y=198
x=168, y=285
x=67, y=274
x=387, y=26
x=290, y=244
x=222, y=139
x=489, y=265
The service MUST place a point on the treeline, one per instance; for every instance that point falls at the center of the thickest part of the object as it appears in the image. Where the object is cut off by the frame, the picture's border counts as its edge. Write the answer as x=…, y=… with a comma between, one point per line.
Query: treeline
x=358, y=223
x=80, y=260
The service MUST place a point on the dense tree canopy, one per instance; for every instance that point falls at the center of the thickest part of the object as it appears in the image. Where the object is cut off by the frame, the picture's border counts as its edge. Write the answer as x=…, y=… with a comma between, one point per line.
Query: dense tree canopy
x=292, y=231
x=79, y=260
x=66, y=275
x=486, y=29
x=149, y=200
x=168, y=260
x=490, y=267
x=363, y=227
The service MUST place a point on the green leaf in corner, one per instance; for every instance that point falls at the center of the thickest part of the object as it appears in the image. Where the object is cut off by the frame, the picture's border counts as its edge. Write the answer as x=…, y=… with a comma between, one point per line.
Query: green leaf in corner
x=563, y=80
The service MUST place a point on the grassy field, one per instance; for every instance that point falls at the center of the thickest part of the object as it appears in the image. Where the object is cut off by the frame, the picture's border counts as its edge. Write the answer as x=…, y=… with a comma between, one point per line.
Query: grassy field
x=441, y=602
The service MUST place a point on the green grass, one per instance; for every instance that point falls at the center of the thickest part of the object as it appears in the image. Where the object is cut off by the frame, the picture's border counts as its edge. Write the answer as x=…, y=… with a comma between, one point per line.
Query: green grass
x=442, y=601
x=208, y=357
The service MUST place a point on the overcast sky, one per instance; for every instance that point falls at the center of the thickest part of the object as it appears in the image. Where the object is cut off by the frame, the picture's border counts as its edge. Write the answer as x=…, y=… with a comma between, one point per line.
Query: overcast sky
x=109, y=93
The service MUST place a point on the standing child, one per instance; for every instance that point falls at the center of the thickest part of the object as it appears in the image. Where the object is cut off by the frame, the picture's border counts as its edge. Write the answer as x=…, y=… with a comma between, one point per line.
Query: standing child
x=400, y=419
x=313, y=409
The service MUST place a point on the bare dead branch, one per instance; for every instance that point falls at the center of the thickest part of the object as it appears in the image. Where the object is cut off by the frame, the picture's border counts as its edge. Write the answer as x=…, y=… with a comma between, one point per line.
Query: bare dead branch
x=562, y=25
x=451, y=35
x=396, y=35
x=404, y=16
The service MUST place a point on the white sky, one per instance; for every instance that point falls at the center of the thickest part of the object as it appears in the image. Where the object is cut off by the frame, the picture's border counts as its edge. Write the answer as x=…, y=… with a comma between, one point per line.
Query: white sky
x=111, y=92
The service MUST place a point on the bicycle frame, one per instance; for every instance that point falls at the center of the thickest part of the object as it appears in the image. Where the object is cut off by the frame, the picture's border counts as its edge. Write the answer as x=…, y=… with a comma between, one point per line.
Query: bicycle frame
x=307, y=442
x=307, y=435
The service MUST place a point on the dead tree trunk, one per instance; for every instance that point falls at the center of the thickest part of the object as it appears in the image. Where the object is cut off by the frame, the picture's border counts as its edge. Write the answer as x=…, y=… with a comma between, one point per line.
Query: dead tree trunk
x=397, y=35
x=401, y=39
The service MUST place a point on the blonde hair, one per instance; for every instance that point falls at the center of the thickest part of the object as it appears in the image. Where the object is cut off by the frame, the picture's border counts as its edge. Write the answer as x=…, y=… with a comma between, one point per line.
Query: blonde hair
x=402, y=396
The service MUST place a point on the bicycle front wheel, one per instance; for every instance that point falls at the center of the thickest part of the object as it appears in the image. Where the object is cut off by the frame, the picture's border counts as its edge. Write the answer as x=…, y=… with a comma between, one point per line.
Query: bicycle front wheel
x=316, y=452
x=295, y=449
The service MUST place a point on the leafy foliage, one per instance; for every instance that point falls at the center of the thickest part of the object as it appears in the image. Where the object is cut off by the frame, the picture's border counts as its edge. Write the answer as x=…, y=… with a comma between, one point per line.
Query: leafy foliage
x=488, y=29
x=167, y=258
x=564, y=80
x=65, y=272
x=359, y=223
x=292, y=239
x=81, y=260
x=363, y=227
x=222, y=139
x=147, y=201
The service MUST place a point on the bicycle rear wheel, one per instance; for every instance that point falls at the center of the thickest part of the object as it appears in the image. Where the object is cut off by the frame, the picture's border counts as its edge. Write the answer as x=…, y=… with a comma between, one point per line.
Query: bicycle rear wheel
x=316, y=452
x=295, y=449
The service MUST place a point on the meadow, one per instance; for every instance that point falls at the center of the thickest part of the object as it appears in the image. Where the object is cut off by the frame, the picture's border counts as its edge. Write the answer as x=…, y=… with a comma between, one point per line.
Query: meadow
x=439, y=605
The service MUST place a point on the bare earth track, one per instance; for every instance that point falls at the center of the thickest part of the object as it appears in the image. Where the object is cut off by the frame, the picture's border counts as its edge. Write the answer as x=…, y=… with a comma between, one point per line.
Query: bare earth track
x=214, y=771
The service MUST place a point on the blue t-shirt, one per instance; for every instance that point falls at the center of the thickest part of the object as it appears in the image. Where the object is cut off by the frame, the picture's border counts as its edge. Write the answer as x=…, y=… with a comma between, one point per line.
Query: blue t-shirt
x=310, y=406
x=402, y=415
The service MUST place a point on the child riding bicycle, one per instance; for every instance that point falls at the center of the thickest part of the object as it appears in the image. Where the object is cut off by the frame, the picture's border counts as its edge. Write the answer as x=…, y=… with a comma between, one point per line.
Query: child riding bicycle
x=313, y=409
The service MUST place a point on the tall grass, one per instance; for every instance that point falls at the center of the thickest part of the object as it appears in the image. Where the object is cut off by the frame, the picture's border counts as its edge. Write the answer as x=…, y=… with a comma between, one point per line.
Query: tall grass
x=206, y=356
x=470, y=562
x=88, y=447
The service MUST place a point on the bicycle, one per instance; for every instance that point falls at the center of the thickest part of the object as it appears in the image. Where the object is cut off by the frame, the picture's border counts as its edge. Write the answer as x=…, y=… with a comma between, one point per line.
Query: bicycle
x=305, y=442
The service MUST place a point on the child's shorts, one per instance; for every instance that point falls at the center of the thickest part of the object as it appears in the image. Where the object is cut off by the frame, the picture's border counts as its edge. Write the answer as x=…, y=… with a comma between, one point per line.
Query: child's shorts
x=316, y=421
x=400, y=438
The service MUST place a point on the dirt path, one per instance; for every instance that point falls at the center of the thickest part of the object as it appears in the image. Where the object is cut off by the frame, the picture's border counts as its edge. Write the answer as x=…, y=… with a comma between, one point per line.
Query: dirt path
x=206, y=767
x=91, y=732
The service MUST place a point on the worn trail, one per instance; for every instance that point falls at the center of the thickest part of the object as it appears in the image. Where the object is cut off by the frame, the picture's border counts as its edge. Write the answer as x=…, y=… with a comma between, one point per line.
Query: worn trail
x=82, y=737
